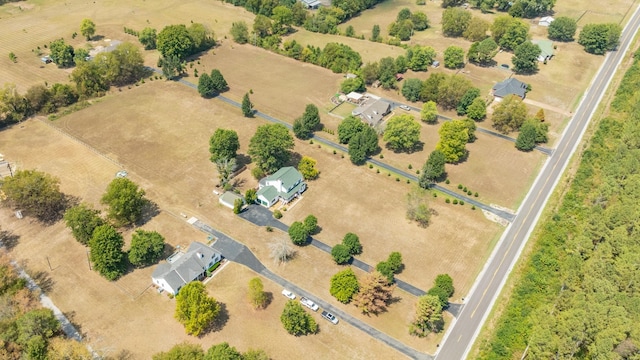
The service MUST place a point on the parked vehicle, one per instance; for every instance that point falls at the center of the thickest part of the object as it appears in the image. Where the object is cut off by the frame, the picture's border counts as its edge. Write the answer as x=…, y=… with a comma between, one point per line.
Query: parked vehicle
x=405, y=107
x=329, y=316
x=308, y=303
x=288, y=294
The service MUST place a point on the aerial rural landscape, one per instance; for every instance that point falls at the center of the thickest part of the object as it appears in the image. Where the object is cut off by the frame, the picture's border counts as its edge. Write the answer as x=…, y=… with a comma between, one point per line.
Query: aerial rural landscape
x=327, y=179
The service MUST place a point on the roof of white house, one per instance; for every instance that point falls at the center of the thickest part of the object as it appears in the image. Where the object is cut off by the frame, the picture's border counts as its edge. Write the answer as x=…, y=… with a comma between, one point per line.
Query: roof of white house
x=354, y=95
x=187, y=267
x=288, y=177
x=545, y=21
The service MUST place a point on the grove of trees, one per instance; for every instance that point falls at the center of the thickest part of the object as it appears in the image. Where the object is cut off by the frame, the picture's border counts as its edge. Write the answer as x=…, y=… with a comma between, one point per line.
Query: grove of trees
x=563, y=28
x=304, y=126
x=36, y=193
x=433, y=169
x=222, y=351
x=211, y=85
x=600, y=38
x=509, y=114
x=402, y=133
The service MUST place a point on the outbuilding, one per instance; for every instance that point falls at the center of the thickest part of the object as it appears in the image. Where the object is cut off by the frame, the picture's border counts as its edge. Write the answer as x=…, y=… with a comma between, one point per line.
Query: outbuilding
x=229, y=198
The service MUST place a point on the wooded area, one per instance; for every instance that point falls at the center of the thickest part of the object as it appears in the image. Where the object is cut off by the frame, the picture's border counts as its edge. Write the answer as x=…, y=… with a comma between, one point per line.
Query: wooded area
x=579, y=294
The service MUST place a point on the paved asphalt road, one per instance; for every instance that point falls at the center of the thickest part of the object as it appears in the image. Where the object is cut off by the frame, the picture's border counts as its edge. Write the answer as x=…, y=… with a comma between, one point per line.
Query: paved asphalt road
x=237, y=252
x=461, y=335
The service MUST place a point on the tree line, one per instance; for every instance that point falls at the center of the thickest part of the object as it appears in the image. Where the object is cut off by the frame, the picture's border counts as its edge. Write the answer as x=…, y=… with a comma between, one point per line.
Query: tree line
x=577, y=294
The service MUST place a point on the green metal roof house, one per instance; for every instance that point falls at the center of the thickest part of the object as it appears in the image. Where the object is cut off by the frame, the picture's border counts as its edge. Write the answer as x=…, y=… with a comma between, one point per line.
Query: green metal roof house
x=283, y=185
x=547, y=49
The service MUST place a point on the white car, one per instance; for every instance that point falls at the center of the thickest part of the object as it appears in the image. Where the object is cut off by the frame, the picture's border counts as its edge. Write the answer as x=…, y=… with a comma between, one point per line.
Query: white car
x=308, y=303
x=288, y=294
x=405, y=107
x=329, y=316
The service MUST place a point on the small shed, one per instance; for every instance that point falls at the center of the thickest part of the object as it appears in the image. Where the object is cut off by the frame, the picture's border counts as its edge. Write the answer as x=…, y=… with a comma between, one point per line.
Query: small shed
x=46, y=59
x=546, y=21
x=399, y=77
x=350, y=76
x=228, y=199
x=311, y=4
x=435, y=63
x=546, y=49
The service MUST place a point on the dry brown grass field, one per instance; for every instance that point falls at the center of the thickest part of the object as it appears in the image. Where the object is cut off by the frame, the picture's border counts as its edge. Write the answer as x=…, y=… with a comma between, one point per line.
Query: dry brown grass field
x=145, y=128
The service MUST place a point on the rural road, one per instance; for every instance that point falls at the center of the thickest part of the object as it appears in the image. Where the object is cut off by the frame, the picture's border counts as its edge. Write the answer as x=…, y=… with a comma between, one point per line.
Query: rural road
x=460, y=337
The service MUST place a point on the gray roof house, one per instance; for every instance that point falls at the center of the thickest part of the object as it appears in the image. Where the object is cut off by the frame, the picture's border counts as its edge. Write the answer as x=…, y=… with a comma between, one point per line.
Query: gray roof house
x=183, y=268
x=372, y=110
x=511, y=86
x=284, y=185
x=311, y=4
x=229, y=198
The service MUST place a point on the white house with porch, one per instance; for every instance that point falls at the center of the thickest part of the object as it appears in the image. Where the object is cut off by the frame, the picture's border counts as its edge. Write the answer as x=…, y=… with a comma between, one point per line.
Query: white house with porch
x=183, y=268
x=284, y=185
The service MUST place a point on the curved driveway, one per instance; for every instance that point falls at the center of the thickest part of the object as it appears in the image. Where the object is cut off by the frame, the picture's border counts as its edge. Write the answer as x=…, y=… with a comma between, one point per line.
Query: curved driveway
x=461, y=335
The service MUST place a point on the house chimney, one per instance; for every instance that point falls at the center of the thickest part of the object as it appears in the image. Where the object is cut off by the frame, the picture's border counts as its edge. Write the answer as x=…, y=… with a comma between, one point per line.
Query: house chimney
x=200, y=255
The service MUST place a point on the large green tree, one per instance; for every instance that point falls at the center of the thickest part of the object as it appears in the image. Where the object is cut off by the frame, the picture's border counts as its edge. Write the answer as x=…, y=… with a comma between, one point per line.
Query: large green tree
x=146, y=247
x=205, y=86
x=515, y=33
x=525, y=58
x=455, y=21
x=218, y=82
x=350, y=126
x=296, y=321
x=106, y=252
x=240, y=32
x=174, y=40
x=421, y=58
x=477, y=111
x=482, y=52
x=61, y=53
x=257, y=296
x=82, y=220
x=431, y=86
x=35, y=323
x=35, y=192
x=223, y=351
x=509, y=114
x=600, y=38
x=363, y=144
x=90, y=79
x=429, y=112
x=433, y=169
x=183, y=351
x=223, y=144
x=451, y=91
x=411, y=89
x=298, y=233
x=125, y=201
x=402, y=133
x=344, y=285
x=454, y=57
x=454, y=136
x=247, y=106
x=466, y=100
x=428, y=317
x=87, y=28
x=148, y=37
x=270, y=147
x=477, y=29
x=340, y=254
x=352, y=242
x=195, y=309
x=304, y=126
x=124, y=65
x=563, y=28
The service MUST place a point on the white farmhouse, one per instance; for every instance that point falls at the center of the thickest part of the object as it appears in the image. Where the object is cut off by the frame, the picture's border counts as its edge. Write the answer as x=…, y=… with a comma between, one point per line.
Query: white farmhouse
x=183, y=268
x=284, y=185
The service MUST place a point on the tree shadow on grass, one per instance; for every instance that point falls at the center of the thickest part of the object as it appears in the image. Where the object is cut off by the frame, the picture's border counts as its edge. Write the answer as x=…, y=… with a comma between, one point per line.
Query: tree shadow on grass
x=71, y=316
x=294, y=160
x=242, y=160
x=43, y=280
x=149, y=211
x=220, y=320
x=419, y=146
x=8, y=239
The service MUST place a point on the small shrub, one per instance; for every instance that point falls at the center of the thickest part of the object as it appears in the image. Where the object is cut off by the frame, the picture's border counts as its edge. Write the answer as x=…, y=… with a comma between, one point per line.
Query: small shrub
x=418, y=172
x=377, y=171
x=370, y=166
x=388, y=174
x=461, y=202
x=469, y=192
x=397, y=179
x=410, y=166
x=311, y=141
x=459, y=186
x=455, y=201
x=473, y=207
x=447, y=200
x=435, y=194
x=342, y=156
x=408, y=181
x=277, y=214
x=381, y=156
x=284, y=208
x=334, y=152
x=269, y=229
x=476, y=194
x=447, y=181
x=465, y=189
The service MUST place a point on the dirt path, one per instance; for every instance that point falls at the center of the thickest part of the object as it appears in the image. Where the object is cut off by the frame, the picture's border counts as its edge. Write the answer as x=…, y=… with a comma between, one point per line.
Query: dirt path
x=548, y=107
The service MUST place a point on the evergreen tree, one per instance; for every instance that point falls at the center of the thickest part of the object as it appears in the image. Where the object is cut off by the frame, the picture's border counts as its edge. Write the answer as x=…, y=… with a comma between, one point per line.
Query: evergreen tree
x=247, y=106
